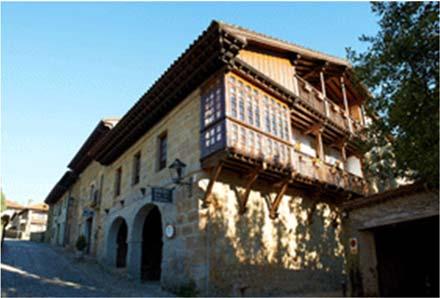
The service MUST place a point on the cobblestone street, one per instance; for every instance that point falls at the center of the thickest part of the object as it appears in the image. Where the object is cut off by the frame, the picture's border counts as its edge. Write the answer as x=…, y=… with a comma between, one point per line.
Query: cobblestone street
x=37, y=269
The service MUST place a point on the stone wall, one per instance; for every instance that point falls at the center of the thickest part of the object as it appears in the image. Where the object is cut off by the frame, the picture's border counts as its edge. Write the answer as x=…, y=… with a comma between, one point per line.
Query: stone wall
x=182, y=126
x=299, y=253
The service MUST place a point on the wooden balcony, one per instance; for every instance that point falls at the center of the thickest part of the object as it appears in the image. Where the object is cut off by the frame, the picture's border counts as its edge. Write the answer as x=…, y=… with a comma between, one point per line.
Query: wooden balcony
x=246, y=148
x=249, y=130
x=327, y=108
x=333, y=175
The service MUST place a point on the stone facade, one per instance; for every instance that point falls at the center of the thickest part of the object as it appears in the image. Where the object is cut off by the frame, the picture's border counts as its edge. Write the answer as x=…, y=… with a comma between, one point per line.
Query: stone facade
x=299, y=253
x=222, y=252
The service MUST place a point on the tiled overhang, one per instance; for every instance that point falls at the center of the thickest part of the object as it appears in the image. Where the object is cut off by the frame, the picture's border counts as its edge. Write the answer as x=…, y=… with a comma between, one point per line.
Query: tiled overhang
x=61, y=187
x=209, y=53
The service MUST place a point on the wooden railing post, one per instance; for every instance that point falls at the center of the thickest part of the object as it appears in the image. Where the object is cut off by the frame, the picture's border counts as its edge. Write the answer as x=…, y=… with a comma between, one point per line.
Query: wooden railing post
x=324, y=93
x=347, y=111
x=320, y=146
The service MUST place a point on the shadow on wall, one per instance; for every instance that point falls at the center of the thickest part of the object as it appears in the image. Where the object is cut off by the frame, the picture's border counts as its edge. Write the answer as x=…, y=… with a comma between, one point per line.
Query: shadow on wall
x=299, y=253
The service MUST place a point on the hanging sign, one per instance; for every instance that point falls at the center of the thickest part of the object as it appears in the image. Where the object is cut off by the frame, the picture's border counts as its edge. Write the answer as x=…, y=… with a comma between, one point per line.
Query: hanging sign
x=162, y=195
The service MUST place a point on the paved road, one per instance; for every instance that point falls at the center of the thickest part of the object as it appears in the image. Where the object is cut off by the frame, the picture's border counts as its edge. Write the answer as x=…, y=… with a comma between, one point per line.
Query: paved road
x=30, y=269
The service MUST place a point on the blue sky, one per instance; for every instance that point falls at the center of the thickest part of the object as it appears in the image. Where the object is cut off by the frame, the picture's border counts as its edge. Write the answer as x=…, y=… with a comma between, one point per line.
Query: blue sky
x=64, y=66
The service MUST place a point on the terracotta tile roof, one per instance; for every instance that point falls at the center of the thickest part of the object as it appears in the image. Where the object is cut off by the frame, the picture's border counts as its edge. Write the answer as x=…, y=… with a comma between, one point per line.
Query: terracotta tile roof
x=38, y=207
x=401, y=191
x=250, y=35
x=83, y=157
x=13, y=205
x=62, y=185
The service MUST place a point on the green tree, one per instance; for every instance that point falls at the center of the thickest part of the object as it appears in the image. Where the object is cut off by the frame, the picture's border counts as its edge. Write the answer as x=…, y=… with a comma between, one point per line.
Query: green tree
x=401, y=68
x=3, y=203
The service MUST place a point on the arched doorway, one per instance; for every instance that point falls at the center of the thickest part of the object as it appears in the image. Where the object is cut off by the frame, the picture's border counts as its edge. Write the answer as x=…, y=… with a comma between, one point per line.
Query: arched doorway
x=121, y=245
x=116, y=244
x=152, y=245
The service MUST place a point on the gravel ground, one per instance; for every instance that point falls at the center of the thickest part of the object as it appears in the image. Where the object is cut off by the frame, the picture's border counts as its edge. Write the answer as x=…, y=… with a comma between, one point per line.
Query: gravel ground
x=30, y=269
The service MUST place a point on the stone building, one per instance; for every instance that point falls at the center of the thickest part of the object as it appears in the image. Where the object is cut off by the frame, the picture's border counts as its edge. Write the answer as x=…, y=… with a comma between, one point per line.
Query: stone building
x=263, y=134
x=32, y=219
x=394, y=242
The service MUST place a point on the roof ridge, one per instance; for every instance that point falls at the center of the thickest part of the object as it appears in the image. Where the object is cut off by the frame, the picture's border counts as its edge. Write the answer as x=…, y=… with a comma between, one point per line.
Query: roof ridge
x=225, y=25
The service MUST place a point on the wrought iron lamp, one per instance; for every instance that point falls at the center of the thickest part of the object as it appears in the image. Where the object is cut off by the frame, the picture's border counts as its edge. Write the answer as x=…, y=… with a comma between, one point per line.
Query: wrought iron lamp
x=176, y=172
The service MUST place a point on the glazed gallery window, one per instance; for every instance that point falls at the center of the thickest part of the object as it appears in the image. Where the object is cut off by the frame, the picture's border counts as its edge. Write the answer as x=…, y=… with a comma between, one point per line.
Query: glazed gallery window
x=162, y=156
x=136, y=168
x=212, y=104
x=118, y=177
x=212, y=109
x=249, y=105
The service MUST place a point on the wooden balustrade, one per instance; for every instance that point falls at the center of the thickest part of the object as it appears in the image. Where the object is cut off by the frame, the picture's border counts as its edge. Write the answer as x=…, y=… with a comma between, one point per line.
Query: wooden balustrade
x=313, y=168
x=277, y=153
x=316, y=100
x=311, y=96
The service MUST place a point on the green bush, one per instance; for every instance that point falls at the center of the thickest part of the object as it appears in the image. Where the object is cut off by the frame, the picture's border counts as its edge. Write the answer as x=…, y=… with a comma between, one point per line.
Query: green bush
x=81, y=243
x=187, y=290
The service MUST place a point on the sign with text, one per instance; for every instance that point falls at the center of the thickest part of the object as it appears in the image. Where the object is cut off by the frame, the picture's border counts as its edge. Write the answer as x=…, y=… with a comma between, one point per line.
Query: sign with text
x=162, y=195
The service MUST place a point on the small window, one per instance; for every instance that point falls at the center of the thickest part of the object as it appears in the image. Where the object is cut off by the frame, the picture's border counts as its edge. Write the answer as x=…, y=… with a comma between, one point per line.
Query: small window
x=136, y=168
x=118, y=176
x=162, y=162
x=92, y=192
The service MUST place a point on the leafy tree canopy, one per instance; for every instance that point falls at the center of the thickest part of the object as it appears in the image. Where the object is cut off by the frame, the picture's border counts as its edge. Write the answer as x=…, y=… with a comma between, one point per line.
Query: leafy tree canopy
x=401, y=68
x=3, y=202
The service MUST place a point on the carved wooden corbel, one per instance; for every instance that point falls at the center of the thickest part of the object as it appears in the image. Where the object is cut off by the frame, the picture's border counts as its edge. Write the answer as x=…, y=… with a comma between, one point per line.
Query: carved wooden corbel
x=215, y=172
x=243, y=199
x=273, y=211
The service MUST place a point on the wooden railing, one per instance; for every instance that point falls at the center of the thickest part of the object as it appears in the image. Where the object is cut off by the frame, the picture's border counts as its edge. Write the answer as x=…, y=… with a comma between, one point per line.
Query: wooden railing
x=281, y=154
x=316, y=100
x=312, y=96
x=314, y=168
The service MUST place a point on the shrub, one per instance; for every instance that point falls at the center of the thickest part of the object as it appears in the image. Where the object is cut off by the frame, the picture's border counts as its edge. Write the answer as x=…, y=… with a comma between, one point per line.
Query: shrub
x=187, y=290
x=81, y=243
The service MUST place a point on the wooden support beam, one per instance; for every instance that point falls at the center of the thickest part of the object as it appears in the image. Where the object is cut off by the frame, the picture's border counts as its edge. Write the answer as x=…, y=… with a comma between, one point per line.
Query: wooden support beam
x=347, y=110
x=363, y=115
x=339, y=143
x=319, y=68
x=273, y=212
x=215, y=172
x=344, y=153
x=245, y=196
x=344, y=96
x=294, y=59
x=321, y=76
x=314, y=129
x=320, y=145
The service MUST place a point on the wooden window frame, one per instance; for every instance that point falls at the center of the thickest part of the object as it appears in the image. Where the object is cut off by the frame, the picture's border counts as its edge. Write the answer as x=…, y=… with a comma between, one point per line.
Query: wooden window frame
x=136, y=169
x=118, y=182
x=162, y=156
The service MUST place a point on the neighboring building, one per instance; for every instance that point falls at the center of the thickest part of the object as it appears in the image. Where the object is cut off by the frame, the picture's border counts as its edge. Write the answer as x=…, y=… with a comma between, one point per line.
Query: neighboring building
x=267, y=131
x=11, y=210
x=31, y=219
x=14, y=206
x=395, y=243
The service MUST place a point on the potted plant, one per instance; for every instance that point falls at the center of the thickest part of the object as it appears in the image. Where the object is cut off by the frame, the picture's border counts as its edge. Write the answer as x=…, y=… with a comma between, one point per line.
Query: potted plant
x=81, y=244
